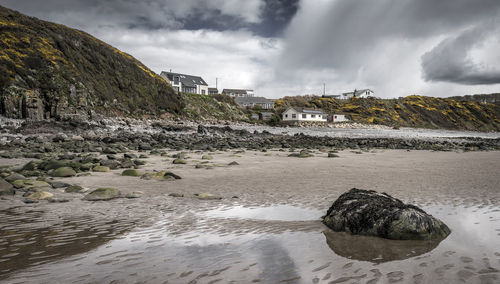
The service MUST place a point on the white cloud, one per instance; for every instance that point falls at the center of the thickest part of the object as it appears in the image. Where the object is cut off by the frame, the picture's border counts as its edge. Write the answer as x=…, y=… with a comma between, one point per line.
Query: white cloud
x=239, y=59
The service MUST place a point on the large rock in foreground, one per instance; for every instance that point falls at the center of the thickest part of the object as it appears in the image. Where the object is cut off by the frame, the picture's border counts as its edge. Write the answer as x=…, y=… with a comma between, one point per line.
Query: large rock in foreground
x=367, y=212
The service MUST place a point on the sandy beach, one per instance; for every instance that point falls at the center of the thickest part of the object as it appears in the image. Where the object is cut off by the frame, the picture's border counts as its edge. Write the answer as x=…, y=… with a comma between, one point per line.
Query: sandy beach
x=266, y=228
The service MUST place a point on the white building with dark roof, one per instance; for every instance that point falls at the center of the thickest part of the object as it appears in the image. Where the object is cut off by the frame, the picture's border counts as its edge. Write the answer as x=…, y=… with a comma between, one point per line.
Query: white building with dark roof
x=238, y=93
x=365, y=93
x=304, y=114
x=186, y=83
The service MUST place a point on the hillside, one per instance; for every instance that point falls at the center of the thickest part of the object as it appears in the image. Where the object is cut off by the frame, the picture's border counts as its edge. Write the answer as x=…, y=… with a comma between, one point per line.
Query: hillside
x=411, y=111
x=482, y=98
x=220, y=107
x=49, y=70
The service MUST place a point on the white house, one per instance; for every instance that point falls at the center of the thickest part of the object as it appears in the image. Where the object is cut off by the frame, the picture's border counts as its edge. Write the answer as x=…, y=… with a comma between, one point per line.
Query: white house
x=238, y=93
x=186, y=83
x=365, y=93
x=303, y=114
x=337, y=118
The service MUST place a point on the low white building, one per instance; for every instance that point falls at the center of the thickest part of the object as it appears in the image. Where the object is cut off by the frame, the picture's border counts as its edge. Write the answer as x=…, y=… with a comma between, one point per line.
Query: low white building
x=337, y=118
x=304, y=114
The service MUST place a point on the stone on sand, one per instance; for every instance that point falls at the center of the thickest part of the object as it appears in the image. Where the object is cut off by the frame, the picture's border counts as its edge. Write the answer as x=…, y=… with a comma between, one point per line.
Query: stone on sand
x=367, y=212
x=103, y=193
x=64, y=172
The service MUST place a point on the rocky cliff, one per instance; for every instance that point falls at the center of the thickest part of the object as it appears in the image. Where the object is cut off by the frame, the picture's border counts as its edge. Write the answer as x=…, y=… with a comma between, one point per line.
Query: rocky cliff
x=49, y=71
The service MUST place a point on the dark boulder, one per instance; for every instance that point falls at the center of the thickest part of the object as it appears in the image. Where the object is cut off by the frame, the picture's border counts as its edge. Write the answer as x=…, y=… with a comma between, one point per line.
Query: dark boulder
x=367, y=212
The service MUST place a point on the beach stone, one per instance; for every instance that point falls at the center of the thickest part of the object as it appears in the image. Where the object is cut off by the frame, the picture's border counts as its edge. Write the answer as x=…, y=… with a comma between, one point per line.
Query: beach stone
x=64, y=172
x=101, y=169
x=31, y=166
x=179, y=161
x=367, y=212
x=139, y=162
x=131, y=173
x=103, y=193
x=52, y=164
x=145, y=147
x=233, y=163
x=174, y=194
x=332, y=155
x=129, y=156
x=127, y=163
x=171, y=174
x=59, y=184
x=14, y=176
x=112, y=164
x=135, y=194
x=86, y=166
x=207, y=157
x=208, y=196
x=73, y=188
x=30, y=184
x=6, y=188
x=40, y=195
x=301, y=154
x=57, y=200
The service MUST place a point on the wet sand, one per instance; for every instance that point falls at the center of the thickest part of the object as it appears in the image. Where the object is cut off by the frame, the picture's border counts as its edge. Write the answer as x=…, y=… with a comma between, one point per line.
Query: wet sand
x=251, y=234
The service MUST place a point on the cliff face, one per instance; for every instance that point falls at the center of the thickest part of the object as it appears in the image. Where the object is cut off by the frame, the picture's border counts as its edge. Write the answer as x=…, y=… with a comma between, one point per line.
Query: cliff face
x=411, y=111
x=49, y=70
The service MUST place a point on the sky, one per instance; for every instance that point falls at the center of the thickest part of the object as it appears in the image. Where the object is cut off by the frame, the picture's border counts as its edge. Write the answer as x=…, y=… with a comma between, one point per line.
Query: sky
x=295, y=47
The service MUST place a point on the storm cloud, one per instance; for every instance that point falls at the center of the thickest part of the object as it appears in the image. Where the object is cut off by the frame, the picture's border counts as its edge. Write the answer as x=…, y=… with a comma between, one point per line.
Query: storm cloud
x=265, y=17
x=450, y=61
x=293, y=47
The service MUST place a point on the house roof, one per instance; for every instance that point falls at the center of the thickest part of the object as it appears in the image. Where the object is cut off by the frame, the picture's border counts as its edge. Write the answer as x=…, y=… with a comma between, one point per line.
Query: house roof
x=236, y=91
x=213, y=90
x=307, y=110
x=186, y=80
x=252, y=100
x=358, y=92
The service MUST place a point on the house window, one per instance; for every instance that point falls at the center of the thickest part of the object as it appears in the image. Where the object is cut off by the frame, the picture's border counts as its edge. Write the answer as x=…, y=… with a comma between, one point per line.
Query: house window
x=335, y=117
x=304, y=115
x=313, y=116
x=202, y=92
x=286, y=115
x=294, y=115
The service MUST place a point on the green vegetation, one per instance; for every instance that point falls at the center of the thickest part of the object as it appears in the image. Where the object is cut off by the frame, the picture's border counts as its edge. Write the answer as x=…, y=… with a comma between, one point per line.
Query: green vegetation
x=220, y=107
x=67, y=68
x=411, y=111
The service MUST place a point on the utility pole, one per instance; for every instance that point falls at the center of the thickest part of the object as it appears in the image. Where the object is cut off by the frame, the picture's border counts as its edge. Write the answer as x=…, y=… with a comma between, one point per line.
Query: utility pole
x=216, y=83
x=324, y=89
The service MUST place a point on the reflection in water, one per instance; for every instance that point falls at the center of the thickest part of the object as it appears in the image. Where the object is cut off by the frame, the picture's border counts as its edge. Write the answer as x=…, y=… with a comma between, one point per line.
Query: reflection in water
x=276, y=212
x=23, y=246
x=377, y=250
x=239, y=250
x=274, y=261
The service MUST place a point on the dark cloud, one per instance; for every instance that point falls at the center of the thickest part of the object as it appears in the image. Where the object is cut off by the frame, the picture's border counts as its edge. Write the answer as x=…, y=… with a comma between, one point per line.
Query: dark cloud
x=343, y=34
x=450, y=60
x=263, y=17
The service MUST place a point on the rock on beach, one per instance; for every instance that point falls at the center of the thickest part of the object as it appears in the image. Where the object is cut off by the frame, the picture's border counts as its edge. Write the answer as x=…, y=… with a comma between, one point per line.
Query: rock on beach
x=367, y=212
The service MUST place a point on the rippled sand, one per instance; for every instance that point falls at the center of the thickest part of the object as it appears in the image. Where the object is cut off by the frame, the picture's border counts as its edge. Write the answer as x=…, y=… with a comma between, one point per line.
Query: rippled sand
x=266, y=228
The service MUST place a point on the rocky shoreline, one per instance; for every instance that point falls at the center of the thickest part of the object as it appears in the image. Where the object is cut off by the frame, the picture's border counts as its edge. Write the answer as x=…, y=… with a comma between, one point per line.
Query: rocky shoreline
x=38, y=138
